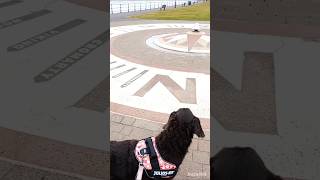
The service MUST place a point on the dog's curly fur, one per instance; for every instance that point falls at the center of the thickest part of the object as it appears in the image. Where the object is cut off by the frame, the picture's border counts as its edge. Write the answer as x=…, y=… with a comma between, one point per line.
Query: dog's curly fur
x=239, y=163
x=172, y=143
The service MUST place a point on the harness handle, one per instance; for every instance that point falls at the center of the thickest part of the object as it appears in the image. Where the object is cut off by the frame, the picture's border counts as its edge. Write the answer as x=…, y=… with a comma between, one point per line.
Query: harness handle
x=149, y=143
x=153, y=157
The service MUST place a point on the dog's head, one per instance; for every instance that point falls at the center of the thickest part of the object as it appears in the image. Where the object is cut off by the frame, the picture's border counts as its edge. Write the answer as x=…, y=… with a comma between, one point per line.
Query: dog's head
x=185, y=118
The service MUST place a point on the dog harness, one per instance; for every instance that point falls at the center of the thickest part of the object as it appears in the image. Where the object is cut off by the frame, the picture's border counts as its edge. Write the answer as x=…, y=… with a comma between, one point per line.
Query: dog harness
x=151, y=162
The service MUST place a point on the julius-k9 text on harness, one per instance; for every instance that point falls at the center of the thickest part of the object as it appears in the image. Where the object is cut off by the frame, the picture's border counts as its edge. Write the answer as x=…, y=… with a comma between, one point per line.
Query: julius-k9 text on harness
x=151, y=162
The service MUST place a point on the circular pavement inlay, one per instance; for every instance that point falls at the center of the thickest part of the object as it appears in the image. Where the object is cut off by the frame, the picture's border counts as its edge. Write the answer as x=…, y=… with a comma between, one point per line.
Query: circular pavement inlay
x=178, y=42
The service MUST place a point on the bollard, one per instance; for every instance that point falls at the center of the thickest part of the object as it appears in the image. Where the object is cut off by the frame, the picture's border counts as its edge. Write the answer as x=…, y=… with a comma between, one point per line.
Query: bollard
x=120, y=8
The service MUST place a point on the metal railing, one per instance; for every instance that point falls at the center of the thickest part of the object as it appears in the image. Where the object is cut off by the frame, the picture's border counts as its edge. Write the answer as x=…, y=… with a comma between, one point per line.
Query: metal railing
x=143, y=6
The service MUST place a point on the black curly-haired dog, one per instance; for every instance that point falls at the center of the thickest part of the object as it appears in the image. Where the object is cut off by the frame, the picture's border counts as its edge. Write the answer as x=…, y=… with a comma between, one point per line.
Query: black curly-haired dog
x=239, y=163
x=172, y=143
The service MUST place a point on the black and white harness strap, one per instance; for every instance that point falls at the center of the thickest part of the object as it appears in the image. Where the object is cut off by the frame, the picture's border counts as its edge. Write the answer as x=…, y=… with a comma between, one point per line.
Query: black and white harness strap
x=151, y=162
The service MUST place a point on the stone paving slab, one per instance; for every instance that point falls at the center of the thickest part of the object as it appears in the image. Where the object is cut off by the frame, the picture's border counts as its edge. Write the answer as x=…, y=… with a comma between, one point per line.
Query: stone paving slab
x=42, y=153
x=11, y=170
x=5, y=167
x=196, y=162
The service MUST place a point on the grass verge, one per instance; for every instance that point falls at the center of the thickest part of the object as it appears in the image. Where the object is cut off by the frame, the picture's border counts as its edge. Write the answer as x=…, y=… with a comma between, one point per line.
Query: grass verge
x=197, y=12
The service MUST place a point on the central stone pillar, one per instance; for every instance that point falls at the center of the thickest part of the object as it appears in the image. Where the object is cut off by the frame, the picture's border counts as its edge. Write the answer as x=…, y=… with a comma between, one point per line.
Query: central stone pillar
x=192, y=38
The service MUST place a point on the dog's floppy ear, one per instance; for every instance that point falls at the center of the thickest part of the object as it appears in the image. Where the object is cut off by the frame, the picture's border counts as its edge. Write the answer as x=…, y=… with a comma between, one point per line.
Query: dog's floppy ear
x=197, y=127
x=172, y=117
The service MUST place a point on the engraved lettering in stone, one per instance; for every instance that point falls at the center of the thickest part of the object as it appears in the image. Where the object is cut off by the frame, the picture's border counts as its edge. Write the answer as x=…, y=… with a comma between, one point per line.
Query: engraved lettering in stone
x=16, y=21
x=19, y=46
x=76, y=55
x=54, y=70
x=48, y=34
x=187, y=95
x=84, y=50
x=27, y=43
x=46, y=75
x=61, y=65
x=54, y=32
x=97, y=42
x=68, y=60
x=91, y=46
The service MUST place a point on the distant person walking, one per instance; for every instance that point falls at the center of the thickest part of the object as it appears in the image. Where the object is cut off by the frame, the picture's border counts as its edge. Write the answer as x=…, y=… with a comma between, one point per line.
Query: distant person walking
x=163, y=7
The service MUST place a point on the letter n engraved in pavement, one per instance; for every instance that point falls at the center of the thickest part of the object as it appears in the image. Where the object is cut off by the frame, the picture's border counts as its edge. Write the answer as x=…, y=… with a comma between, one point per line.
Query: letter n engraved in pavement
x=253, y=107
x=187, y=95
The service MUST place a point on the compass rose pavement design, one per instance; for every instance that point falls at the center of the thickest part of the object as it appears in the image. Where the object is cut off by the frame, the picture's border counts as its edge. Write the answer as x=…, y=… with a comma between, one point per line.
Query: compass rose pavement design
x=150, y=83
